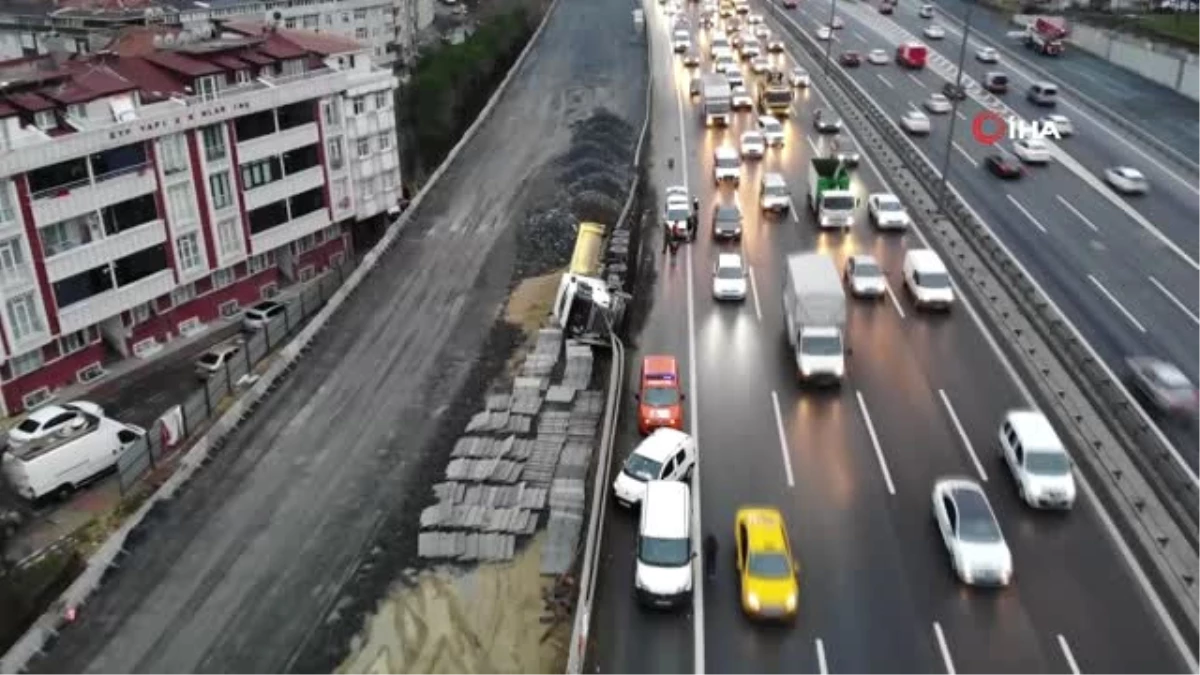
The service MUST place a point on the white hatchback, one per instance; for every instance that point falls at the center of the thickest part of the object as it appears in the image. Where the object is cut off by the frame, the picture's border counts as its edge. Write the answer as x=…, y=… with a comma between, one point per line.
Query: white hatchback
x=878, y=57
x=666, y=454
x=915, y=122
x=1032, y=150
x=729, y=277
x=865, y=277
x=1127, y=180
x=887, y=213
x=772, y=130
x=938, y=104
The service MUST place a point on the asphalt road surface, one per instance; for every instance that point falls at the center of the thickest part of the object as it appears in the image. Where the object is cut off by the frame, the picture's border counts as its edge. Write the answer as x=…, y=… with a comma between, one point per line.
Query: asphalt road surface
x=850, y=469
x=239, y=571
x=1124, y=271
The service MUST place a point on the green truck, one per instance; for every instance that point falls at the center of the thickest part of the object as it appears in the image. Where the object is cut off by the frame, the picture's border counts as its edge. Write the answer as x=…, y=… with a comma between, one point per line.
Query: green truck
x=829, y=195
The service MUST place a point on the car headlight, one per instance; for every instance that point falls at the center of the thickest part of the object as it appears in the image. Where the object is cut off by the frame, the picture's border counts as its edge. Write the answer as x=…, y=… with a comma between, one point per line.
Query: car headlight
x=752, y=602
x=791, y=602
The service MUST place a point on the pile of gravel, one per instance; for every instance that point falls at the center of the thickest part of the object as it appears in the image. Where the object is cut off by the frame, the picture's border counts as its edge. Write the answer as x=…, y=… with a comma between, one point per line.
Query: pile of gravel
x=590, y=183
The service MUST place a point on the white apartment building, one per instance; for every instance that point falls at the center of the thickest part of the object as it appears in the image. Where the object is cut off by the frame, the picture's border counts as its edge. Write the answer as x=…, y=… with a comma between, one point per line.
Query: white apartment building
x=152, y=189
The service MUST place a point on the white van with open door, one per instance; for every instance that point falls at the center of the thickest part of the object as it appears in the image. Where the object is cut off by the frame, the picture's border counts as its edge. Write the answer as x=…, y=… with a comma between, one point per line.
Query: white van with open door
x=77, y=454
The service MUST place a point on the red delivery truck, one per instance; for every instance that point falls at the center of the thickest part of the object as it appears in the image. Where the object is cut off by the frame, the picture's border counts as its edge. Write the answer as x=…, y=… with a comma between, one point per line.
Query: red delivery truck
x=912, y=55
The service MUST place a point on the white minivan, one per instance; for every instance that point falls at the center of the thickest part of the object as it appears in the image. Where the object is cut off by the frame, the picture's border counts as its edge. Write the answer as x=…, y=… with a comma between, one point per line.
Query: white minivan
x=1037, y=459
x=1043, y=93
x=926, y=278
x=75, y=455
x=663, y=572
x=666, y=454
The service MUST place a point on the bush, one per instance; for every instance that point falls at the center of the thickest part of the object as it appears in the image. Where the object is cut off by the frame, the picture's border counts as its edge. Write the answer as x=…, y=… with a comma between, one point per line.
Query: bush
x=452, y=83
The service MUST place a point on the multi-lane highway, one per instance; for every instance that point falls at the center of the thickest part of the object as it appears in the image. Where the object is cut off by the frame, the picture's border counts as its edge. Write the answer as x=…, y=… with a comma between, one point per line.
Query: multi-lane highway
x=1124, y=271
x=851, y=469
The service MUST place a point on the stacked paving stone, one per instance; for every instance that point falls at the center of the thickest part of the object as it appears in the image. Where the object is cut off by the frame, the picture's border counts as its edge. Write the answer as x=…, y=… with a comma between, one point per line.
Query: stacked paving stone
x=526, y=451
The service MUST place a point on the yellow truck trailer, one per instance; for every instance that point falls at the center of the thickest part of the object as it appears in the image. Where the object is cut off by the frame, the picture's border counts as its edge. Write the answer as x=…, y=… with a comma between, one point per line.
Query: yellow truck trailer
x=589, y=244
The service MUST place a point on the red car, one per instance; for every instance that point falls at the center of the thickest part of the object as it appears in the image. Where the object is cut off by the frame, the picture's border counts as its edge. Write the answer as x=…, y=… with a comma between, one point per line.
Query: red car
x=660, y=401
x=850, y=59
x=1004, y=166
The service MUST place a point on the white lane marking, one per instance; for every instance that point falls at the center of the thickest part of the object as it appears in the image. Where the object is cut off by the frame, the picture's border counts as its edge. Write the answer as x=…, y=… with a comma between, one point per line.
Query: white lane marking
x=1066, y=650
x=1025, y=211
x=962, y=434
x=783, y=444
x=895, y=301
x=1078, y=215
x=811, y=144
x=941, y=640
x=885, y=81
x=1178, y=303
x=792, y=211
x=914, y=108
x=915, y=79
x=962, y=152
x=960, y=115
x=887, y=475
x=858, y=35
x=1113, y=299
x=754, y=292
x=822, y=664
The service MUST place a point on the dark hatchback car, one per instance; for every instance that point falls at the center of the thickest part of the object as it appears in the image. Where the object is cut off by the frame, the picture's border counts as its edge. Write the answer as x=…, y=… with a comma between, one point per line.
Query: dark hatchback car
x=954, y=92
x=727, y=222
x=850, y=59
x=1005, y=166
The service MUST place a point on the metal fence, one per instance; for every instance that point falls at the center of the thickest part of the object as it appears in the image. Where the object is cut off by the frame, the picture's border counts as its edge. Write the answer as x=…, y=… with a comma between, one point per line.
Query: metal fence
x=300, y=302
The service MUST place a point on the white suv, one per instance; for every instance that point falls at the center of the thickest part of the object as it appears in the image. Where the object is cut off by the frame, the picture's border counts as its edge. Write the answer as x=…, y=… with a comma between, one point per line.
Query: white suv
x=666, y=454
x=727, y=165
x=926, y=277
x=1037, y=459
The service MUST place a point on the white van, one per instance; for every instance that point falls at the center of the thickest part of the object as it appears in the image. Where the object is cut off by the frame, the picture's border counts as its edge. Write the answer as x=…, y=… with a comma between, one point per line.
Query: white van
x=663, y=573
x=1043, y=93
x=68, y=459
x=1037, y=459
x=926, y=278
x=666, y=454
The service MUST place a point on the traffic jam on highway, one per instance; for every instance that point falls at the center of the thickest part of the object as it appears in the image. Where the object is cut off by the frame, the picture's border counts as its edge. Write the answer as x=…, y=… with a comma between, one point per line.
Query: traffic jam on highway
x=778, y=196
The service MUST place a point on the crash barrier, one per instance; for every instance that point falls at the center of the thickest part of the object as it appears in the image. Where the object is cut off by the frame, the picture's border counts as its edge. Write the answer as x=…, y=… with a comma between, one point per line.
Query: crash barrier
x=1118, y=445
x=74, y=597
x=578, y=647
x=205, y=402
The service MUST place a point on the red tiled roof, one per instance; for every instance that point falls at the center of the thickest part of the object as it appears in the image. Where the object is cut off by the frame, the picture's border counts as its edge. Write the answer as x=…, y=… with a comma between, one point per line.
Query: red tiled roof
x=280, y=48
x=7, y=110
x=30, y=102
x=184, y=65
x=87, y=84
x=149, y=77
x=324, y=44
x=231, y=62
x=256, y=58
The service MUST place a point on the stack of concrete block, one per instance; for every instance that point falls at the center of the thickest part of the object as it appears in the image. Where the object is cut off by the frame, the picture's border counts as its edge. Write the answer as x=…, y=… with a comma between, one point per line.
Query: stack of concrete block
x=578, y=373
x=480, y=470
x=567, y=497
x=541, y=361
x=539, y=468
x=575, y=458
x=558, y=393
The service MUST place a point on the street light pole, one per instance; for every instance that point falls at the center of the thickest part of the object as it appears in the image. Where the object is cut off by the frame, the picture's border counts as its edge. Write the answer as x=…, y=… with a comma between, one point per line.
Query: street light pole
x=829, y=42
x=958, y=90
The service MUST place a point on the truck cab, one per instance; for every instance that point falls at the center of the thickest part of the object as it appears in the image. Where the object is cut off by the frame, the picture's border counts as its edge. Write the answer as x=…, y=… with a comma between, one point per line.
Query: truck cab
x=829, y=195
x=586, y=309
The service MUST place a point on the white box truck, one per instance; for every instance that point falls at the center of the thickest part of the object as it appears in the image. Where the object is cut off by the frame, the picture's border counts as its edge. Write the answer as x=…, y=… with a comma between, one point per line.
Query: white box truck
x=814, y=310
x=717, y=100
x=80, y=452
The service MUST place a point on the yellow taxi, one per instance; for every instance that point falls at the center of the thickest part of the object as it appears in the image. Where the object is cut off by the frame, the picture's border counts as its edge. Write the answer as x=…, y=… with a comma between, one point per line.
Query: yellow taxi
x=768, y=574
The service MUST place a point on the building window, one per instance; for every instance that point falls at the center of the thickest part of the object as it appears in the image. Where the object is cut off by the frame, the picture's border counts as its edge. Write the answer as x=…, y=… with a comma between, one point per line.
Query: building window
x=289, y=22
x=267, y=217
x=306, y=202
x=261, y=262
x=345, y=17
x=364, y=147
x=257, y=174
x=222, y=278
x=214, y=142
x=311, y=21
x=300, y=159
x=242, y=77
x=173, y=154
x=45, y=120
x=182, y=294
x=381, y=100
x=188, y=248
x=360, y=33
x=23, y=316
x=229, y=309
x=7, y=214
x=229, y=235
x=341, y=193
x=133, y=213
x=360, y=105
x=12, y=261
x=78, y=111
x=255, y=125
x=141, y=313
x=222, y=194
x=335, y=153
x=69, y=344
x=26, y=363
x=360, y=14
x=369, y=186
x=389, y=180
x=333, y=113
x=297, y=114
x=207, y=87
x=181, y=208
x=385, y=141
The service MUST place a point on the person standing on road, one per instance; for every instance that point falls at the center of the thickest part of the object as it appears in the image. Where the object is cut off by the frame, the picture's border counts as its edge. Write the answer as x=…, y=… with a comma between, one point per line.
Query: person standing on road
x=666, y=235
x=710, y=556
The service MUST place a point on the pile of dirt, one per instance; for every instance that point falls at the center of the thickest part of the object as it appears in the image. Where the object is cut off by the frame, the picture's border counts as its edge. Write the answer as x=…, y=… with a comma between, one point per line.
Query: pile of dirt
x=590, y=182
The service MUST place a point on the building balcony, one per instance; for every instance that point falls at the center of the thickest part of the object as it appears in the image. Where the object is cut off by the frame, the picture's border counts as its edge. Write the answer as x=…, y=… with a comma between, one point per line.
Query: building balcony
x=75, y=199
x=293, y=230
x=180, y=114
x=284, y=187
x=111, y=303
x=277, y=143
x=94, y=254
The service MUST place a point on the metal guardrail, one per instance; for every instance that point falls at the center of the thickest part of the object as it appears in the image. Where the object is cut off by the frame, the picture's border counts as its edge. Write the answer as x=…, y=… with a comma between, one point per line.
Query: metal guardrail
x=577, y=649
x=1117, y=444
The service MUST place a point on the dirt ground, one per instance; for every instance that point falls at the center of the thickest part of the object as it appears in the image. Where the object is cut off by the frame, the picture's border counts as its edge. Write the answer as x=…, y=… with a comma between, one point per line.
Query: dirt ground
x=481, y=620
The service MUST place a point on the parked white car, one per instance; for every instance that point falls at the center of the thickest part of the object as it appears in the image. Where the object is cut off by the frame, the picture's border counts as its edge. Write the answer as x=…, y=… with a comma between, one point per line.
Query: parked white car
x=772, y=130
x=51, y=418
x=938, y=104
x=729, y=277
x=214, y=360
x=878, y=57
x=915, y=122
x=262, y=314
x=1032, y=150
x=754, y=146
x=979, y=555
x=1127, y=180
x=887, y=213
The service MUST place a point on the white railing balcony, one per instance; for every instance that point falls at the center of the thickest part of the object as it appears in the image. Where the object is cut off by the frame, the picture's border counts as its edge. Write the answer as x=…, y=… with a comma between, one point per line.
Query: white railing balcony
x=284, y=187
x=277, y=143
x=293, y=230
x=75, y=199
x=111, y=303
x=96, y=253
x=15, y=279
